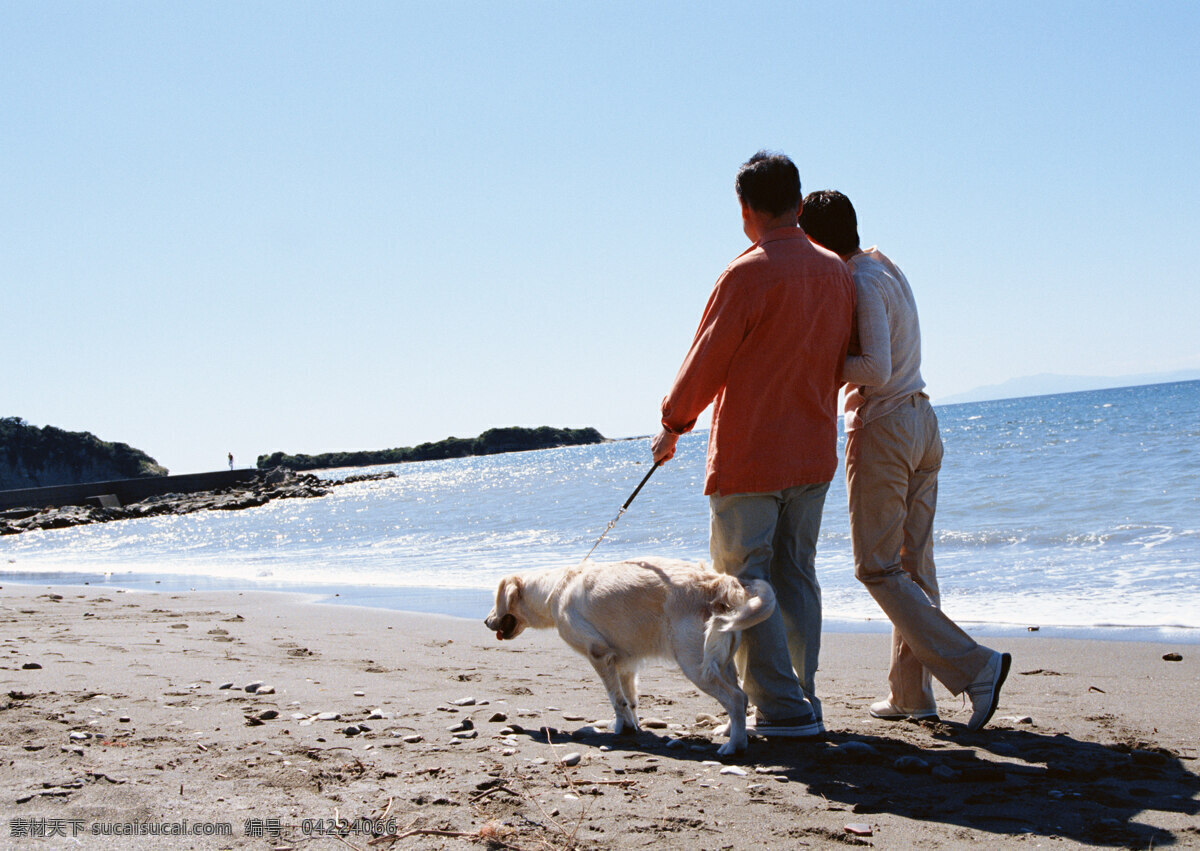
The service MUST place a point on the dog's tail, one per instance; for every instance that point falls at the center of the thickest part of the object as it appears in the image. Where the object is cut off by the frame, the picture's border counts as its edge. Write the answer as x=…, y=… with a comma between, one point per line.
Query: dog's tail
x=741, y=606
x=735, y=607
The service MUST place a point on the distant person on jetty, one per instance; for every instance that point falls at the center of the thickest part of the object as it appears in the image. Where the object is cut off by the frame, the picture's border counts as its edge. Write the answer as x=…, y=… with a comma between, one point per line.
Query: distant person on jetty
x=768, y=355
x=893, y=454
x=231, y=461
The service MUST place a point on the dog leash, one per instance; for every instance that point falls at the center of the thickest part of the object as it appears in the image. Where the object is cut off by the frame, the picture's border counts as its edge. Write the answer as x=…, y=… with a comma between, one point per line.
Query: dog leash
x=632, y=496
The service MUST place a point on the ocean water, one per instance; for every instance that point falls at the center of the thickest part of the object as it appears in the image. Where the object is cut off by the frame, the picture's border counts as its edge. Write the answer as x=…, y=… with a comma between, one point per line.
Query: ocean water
x=1077, y=512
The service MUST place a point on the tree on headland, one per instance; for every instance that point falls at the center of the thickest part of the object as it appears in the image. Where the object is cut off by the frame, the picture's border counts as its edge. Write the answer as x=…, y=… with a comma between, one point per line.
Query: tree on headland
x=491, y=442
x=32, y=457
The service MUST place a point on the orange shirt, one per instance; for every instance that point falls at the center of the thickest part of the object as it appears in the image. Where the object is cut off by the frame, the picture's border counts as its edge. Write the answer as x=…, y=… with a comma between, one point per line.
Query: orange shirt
x=769, y=351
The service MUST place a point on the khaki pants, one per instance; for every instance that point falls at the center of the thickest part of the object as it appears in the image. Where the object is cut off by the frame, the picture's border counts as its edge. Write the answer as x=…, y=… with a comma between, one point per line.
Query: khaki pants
x=892, y=467
x=773, y=536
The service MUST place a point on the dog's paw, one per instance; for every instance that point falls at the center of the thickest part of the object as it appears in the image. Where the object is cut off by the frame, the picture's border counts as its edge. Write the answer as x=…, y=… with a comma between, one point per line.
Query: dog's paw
x=621, y=727
x=731, y=747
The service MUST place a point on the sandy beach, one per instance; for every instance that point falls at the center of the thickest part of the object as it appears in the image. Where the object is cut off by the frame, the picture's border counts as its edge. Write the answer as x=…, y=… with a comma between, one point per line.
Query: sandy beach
x=125, y=720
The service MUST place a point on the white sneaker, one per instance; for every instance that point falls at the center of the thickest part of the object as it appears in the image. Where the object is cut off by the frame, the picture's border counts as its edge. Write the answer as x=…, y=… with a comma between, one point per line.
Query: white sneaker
x=888, y=711
x=800, y=727
x=796, y=728
x=985, y=691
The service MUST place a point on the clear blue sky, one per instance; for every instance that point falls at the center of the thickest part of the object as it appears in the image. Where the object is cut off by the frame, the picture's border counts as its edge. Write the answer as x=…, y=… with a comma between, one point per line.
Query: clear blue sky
x=320, y=226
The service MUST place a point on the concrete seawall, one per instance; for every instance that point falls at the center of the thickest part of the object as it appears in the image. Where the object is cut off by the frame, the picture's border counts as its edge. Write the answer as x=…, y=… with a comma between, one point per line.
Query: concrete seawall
x=125, y=491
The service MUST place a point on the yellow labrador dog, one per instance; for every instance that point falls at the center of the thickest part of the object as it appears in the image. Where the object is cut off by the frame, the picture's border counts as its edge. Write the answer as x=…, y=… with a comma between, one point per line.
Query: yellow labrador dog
x=618, y=615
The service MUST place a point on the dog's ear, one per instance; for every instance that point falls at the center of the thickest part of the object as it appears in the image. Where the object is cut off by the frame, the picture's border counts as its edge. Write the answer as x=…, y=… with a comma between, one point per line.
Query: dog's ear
x=513, y=587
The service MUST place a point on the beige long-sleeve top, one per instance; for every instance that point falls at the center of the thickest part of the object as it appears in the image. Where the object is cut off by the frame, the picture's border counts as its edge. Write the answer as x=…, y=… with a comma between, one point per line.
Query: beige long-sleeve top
x=888, y=370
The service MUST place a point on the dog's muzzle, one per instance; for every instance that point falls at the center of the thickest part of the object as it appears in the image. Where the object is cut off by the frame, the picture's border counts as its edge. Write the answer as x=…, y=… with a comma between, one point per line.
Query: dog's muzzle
x=508, y=625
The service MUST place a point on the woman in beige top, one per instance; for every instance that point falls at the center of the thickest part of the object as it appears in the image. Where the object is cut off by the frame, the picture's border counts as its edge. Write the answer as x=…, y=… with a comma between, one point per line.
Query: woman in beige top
x=893, y=454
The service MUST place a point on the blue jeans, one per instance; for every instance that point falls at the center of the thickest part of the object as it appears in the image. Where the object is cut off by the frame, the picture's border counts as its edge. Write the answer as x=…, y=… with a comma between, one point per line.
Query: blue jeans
x=773, y=536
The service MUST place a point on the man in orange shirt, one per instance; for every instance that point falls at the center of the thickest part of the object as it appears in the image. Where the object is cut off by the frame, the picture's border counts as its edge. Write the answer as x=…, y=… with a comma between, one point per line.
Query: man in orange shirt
x=768, y=355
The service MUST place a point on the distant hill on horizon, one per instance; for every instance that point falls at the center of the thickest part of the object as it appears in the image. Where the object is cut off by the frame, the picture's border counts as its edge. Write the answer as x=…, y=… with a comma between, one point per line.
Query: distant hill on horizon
x=32, y=457
x=492, y=442
x=1048, y=384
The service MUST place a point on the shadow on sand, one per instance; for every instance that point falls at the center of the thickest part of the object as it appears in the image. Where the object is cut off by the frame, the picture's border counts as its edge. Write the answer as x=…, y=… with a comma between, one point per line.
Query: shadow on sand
x=1002, y=781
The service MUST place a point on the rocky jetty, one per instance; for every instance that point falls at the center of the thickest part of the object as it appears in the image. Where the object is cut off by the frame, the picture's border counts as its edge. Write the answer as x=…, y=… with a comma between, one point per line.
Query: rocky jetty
x=266, y=486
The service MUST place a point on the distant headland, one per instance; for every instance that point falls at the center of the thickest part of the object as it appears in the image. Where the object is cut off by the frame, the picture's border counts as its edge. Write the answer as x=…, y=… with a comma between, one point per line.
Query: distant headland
x=491, y=442
x=32, y=457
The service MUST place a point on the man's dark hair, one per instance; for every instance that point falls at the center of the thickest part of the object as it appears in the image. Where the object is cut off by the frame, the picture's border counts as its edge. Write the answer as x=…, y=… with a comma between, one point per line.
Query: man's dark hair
x=829, y=220
x=769, y=183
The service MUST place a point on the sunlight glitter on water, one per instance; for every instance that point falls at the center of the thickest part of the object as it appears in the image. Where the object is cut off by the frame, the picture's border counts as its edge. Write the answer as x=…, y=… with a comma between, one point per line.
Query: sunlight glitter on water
x=1078, y=509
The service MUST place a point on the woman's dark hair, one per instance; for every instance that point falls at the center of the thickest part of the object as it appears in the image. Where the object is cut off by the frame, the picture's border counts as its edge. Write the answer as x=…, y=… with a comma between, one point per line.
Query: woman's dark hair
x=829, y=220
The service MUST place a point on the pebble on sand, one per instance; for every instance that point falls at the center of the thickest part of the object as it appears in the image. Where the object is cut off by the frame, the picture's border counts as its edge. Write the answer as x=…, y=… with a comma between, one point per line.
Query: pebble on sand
x=572, y=758
x=857, y=749
x=1018, y=719
x=910, y=764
